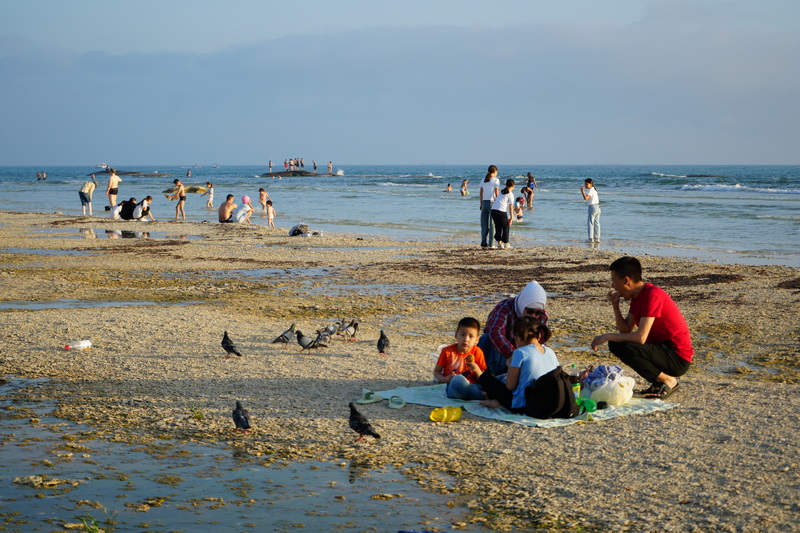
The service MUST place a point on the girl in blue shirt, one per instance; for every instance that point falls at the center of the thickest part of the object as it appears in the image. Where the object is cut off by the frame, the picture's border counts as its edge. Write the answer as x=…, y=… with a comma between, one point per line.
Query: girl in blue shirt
x=528, y=363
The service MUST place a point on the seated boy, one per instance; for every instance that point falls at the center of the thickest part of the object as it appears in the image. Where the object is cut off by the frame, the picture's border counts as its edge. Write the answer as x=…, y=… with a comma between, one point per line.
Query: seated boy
x=461, y=364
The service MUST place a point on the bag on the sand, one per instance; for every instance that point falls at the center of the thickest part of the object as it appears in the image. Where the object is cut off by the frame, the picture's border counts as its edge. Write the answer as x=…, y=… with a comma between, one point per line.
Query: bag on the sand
x=617, y=391
x=551, y=396
x=299, y=229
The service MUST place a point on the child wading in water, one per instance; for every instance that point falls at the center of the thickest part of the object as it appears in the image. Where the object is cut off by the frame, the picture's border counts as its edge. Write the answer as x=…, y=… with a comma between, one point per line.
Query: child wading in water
x=210, y=194
x=270, y=214
x=460, y=364
x=529, y=362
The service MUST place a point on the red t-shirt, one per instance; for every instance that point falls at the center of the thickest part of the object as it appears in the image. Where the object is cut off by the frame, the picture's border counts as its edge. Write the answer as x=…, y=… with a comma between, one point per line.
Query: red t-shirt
x=453, y=362
x=669, y=325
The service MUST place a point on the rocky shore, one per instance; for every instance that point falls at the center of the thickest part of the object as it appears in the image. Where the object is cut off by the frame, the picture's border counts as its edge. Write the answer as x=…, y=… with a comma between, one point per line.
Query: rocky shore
x=155, y=308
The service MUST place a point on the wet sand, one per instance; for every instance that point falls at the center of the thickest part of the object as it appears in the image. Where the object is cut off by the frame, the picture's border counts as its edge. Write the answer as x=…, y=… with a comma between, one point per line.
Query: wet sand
x=723, y=460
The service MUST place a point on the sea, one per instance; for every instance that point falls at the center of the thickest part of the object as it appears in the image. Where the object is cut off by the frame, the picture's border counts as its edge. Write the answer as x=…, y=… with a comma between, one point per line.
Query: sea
x=728, y=214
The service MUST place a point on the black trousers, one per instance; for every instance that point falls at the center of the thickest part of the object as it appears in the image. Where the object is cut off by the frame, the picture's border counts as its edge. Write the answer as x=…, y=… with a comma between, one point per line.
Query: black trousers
x=500, y=219
x=649, y=360
x=497, y=390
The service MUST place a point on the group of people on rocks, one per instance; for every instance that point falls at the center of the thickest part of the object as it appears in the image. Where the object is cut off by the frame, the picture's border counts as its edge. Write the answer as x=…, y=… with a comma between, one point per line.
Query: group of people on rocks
x=496, y=367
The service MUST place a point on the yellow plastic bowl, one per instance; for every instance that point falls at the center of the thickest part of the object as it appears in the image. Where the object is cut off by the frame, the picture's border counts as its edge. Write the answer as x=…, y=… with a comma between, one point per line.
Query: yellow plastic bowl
x=446, y=414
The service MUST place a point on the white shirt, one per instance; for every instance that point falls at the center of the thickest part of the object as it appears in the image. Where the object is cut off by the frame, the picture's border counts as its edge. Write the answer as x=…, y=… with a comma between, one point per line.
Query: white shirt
x=592, y=194
x=503, y=201
x=488, y=188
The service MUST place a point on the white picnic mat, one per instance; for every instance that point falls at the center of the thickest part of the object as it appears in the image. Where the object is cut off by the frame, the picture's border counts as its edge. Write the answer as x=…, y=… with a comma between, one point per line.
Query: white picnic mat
x=434, y=396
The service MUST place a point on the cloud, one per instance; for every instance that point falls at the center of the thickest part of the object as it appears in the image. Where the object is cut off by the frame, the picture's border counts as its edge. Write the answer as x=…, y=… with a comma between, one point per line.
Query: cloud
x=655, y=91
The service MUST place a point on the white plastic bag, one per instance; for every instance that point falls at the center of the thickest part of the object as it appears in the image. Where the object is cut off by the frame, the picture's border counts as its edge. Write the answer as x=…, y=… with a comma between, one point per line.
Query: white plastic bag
x=615, y=392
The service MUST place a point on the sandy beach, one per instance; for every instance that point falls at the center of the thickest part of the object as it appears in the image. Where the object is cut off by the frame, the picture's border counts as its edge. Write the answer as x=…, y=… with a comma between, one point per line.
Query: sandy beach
x=155, y=308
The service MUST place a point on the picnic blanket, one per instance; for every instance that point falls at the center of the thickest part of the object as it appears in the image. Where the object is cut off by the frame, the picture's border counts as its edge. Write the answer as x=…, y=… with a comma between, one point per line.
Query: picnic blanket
x=434, y=396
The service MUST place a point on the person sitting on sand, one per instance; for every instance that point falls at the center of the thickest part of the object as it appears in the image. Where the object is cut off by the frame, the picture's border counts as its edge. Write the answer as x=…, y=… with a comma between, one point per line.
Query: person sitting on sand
x=242, y=215
x=225, y=213
x=125, y=209
x=498, y=340
x=530, y=361
x=653, y=337
x=142, y=210
x=461, y=364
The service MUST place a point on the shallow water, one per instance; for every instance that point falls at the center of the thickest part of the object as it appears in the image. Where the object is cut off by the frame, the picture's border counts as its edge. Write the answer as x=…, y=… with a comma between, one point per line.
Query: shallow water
x=734, y=214
x=176, y=486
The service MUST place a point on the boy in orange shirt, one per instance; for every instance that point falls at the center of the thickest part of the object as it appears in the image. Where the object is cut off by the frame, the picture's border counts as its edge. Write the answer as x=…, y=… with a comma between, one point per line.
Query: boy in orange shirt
x=461, y=364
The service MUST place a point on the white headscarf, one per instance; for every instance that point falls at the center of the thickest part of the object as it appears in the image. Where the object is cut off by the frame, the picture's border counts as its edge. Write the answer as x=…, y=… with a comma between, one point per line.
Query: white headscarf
x=532, y=296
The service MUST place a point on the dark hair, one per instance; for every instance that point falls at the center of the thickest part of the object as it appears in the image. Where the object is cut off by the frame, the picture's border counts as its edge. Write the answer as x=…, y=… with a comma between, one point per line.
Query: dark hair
x=489, y=172
x=229, y=197
x=509, y=183
x=589, y=180
x=469, y=322
x=529, y=328
x=269, y=202
x=176, y=181
x=210, y=184
x=627, y=266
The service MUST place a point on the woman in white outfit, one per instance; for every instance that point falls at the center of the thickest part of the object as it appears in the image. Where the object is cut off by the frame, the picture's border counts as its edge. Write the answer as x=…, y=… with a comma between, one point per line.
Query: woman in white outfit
x=589, y=193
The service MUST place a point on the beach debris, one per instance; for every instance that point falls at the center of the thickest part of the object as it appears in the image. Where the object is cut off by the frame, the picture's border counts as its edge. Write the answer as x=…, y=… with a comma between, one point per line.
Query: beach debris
x=286, y=336
x=307, y=343
x=241, y=418
x=383, y=343
x=228, y=346
x=360, y=424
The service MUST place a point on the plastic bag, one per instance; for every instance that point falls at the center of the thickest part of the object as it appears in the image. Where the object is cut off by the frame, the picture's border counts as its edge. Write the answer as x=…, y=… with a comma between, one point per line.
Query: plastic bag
x=617, y=391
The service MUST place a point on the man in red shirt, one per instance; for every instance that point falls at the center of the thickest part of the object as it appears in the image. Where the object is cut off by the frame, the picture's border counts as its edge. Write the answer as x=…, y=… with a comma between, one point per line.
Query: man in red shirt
x=653, y=337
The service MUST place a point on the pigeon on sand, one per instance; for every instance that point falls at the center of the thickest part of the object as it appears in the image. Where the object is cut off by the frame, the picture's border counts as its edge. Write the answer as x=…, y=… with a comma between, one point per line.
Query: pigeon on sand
x=286, y=336
x=241, y=417
x=228, y=346
x=360, y=424
x=383, y=343
x=307, y=343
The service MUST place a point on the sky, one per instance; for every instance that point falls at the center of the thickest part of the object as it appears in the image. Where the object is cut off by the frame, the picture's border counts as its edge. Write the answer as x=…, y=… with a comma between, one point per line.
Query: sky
x=415, y=82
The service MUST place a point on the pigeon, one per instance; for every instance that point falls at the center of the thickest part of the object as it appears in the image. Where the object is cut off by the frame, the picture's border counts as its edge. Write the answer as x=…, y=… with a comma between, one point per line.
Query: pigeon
x=349, y=332
x=323, y=336
x=360, y=424
x=383, y=343
x=228, y=346
x=307, y=343
x=241, y=417
x=285, y=337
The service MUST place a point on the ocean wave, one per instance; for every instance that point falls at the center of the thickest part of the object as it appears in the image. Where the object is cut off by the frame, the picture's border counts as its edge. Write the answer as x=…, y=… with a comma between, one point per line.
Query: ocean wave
x=660, y=175
x=738, y=188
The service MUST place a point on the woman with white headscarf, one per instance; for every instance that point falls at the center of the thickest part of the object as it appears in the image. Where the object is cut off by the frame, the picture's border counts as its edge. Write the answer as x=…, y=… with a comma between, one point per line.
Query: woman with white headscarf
x=497, y=341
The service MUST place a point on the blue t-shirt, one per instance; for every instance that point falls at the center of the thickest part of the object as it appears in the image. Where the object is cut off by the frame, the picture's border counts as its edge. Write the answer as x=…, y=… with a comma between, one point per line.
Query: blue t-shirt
x=532, y=365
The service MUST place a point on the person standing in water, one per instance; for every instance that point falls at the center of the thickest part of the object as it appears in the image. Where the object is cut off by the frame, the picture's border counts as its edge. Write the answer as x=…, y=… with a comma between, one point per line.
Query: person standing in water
x=180, y=195
x=113, y=188
x=86, y=195
x=589, y=193
x=490, y=186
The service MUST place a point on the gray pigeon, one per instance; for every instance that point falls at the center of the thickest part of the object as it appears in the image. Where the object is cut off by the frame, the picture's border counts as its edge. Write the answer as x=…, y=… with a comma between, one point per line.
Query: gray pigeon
x=360, y=424
x=307, y=343
x=349, y=331
x=286, y=336
x=228, y=346
x=383, y=343
x=241, y=417
x=323, y=336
